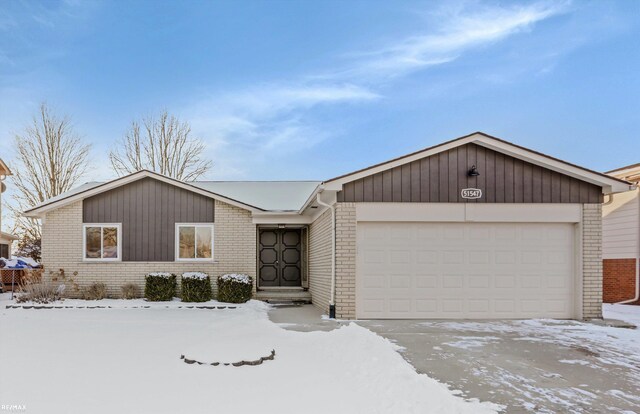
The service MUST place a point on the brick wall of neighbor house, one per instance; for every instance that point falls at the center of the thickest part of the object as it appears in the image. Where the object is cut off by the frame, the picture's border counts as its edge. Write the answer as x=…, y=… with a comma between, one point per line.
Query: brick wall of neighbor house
x=320, y=261
x=592, y=261
x=234, y=250
x=618, y=279
x=346, y=260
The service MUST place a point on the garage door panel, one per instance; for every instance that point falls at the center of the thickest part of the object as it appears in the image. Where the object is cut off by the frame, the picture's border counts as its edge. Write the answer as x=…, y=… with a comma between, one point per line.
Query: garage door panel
x=476, y=281
x=465, y=270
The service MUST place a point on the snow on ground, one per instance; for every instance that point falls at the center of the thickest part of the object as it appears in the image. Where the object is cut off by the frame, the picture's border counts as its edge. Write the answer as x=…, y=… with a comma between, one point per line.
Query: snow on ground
x=176, y=303
x=127, y=360
x=627, y=313
x=602, y=348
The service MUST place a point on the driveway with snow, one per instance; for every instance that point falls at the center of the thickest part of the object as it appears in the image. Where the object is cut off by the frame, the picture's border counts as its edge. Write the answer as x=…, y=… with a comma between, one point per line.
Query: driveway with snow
x=542, y=366
x=127, y=360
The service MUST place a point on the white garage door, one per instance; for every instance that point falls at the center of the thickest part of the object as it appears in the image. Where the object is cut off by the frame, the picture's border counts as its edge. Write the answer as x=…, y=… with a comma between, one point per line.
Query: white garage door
x=465, y=270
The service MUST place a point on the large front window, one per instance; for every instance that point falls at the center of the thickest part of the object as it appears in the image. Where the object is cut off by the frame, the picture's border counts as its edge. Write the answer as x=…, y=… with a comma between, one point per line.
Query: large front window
x=194, y=241
x=102, y=242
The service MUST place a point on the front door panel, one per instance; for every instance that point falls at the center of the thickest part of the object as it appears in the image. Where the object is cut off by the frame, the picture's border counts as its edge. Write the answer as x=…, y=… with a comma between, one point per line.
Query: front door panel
x=280, y=257
x=269, y=258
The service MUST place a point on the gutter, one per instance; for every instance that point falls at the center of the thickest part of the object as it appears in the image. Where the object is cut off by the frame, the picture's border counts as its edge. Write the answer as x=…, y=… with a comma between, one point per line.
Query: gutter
x=332, y=299
x=637, y=295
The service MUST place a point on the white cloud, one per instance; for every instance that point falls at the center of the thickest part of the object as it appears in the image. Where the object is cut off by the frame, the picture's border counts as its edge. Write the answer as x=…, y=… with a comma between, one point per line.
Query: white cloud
x=254, y=124
x=456, y=31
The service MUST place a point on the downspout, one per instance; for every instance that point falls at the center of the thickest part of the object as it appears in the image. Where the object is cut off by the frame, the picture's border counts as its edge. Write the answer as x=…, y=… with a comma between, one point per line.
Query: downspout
x=332, y=299
x=637, y=295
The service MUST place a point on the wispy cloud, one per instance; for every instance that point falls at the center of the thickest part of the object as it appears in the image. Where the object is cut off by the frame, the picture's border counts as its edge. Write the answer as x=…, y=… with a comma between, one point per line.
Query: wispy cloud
x=250, y=124
x=457, y=30
x=279, y=117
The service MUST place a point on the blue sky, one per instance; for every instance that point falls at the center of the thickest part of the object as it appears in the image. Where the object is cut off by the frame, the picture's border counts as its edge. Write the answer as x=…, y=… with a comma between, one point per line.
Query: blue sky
x=311, y=90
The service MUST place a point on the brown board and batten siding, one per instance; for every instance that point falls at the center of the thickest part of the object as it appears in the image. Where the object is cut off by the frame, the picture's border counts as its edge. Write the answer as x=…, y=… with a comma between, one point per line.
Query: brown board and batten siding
x=148, y=210
x=441, y=177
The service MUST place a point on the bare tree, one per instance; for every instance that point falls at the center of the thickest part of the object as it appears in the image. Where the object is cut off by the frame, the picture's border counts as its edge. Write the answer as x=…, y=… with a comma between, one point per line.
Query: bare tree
x=163, y=145
x=51, y=157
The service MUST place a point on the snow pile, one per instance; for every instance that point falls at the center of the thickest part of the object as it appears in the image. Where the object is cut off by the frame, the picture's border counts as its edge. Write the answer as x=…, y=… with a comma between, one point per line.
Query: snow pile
x=160, y=274
x=28, y=261
x=236, y=277
x=627, y=313
x=136, y=355
x=194, y=275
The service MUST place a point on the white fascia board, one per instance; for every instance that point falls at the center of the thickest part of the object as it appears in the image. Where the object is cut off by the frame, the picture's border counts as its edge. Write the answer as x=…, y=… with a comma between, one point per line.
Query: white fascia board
x=7, y=236
x=281, y=218
x=609, y=185
x=118, y=182
x=337, y=184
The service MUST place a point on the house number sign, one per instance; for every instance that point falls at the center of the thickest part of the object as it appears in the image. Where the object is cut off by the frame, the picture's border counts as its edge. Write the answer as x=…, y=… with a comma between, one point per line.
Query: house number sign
x=471, y=193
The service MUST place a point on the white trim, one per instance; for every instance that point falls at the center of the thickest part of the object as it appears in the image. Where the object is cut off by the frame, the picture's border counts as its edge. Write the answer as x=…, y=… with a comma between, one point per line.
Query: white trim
x=118, y=226
x=609, y=185
x=578, y=274
x=194, y=259
x=38, y=211
x=468, y=212
x=276, y=218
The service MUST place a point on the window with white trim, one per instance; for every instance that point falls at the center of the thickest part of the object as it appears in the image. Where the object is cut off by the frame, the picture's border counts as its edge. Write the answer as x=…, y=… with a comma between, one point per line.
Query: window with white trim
x=102, y=242
x=194, y=241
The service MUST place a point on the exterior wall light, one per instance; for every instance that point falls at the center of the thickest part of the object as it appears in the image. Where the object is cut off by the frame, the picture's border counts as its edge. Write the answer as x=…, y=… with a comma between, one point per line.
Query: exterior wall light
x=473, y=172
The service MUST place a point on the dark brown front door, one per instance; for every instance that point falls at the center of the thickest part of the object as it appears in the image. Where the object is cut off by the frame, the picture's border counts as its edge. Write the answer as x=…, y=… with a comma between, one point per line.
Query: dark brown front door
x=279, y=252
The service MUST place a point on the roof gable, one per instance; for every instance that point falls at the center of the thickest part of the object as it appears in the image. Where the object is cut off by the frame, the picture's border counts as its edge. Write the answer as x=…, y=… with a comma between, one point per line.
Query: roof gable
x=607, y=183
x=442, y=176
x=91, y=189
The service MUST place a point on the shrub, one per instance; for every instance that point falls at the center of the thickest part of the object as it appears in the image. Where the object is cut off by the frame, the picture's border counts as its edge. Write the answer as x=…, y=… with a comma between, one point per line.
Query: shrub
x=196, y=287
x=41, y=292
x=160, y=286
x=234, y=288
x=95, y=291
x=129, y=291
x=68, y=282
x=33, y=288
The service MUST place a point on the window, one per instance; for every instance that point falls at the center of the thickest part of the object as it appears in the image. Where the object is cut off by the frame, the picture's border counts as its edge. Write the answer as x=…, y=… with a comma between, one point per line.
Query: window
x=194, y=242
x=102, y=242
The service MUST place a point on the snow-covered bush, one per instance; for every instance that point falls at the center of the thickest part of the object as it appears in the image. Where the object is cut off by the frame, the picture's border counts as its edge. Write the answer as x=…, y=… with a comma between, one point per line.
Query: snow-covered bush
x=129, y=291
x=95, y=291
x=160, y=286
x=194, y=275
x=234, y=288
x=196, y=287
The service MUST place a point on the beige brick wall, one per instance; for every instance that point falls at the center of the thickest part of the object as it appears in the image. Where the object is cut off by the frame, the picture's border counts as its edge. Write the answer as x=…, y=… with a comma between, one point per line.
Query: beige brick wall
x=592, y=261
x=320, y=261
x=346, y=260
x=234, y=250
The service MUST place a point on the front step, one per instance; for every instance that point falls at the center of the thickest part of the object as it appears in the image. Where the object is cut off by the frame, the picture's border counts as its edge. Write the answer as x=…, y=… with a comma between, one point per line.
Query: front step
x=284, y=296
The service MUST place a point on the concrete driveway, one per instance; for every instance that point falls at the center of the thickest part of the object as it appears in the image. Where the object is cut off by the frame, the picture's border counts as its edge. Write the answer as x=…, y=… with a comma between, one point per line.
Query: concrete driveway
x=541, y=366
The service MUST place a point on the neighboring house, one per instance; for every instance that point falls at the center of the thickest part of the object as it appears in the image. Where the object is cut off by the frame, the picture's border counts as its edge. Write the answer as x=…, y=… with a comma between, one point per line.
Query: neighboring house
x=6, y=239
x=475, y=227
x=621, y=239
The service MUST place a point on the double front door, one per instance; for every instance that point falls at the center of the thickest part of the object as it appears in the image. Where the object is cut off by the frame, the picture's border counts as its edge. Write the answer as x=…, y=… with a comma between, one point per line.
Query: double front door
x=280, y=257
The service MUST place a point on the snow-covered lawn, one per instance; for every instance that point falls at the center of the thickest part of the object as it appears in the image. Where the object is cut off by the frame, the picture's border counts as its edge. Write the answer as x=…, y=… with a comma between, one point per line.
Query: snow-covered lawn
x=127, y=360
